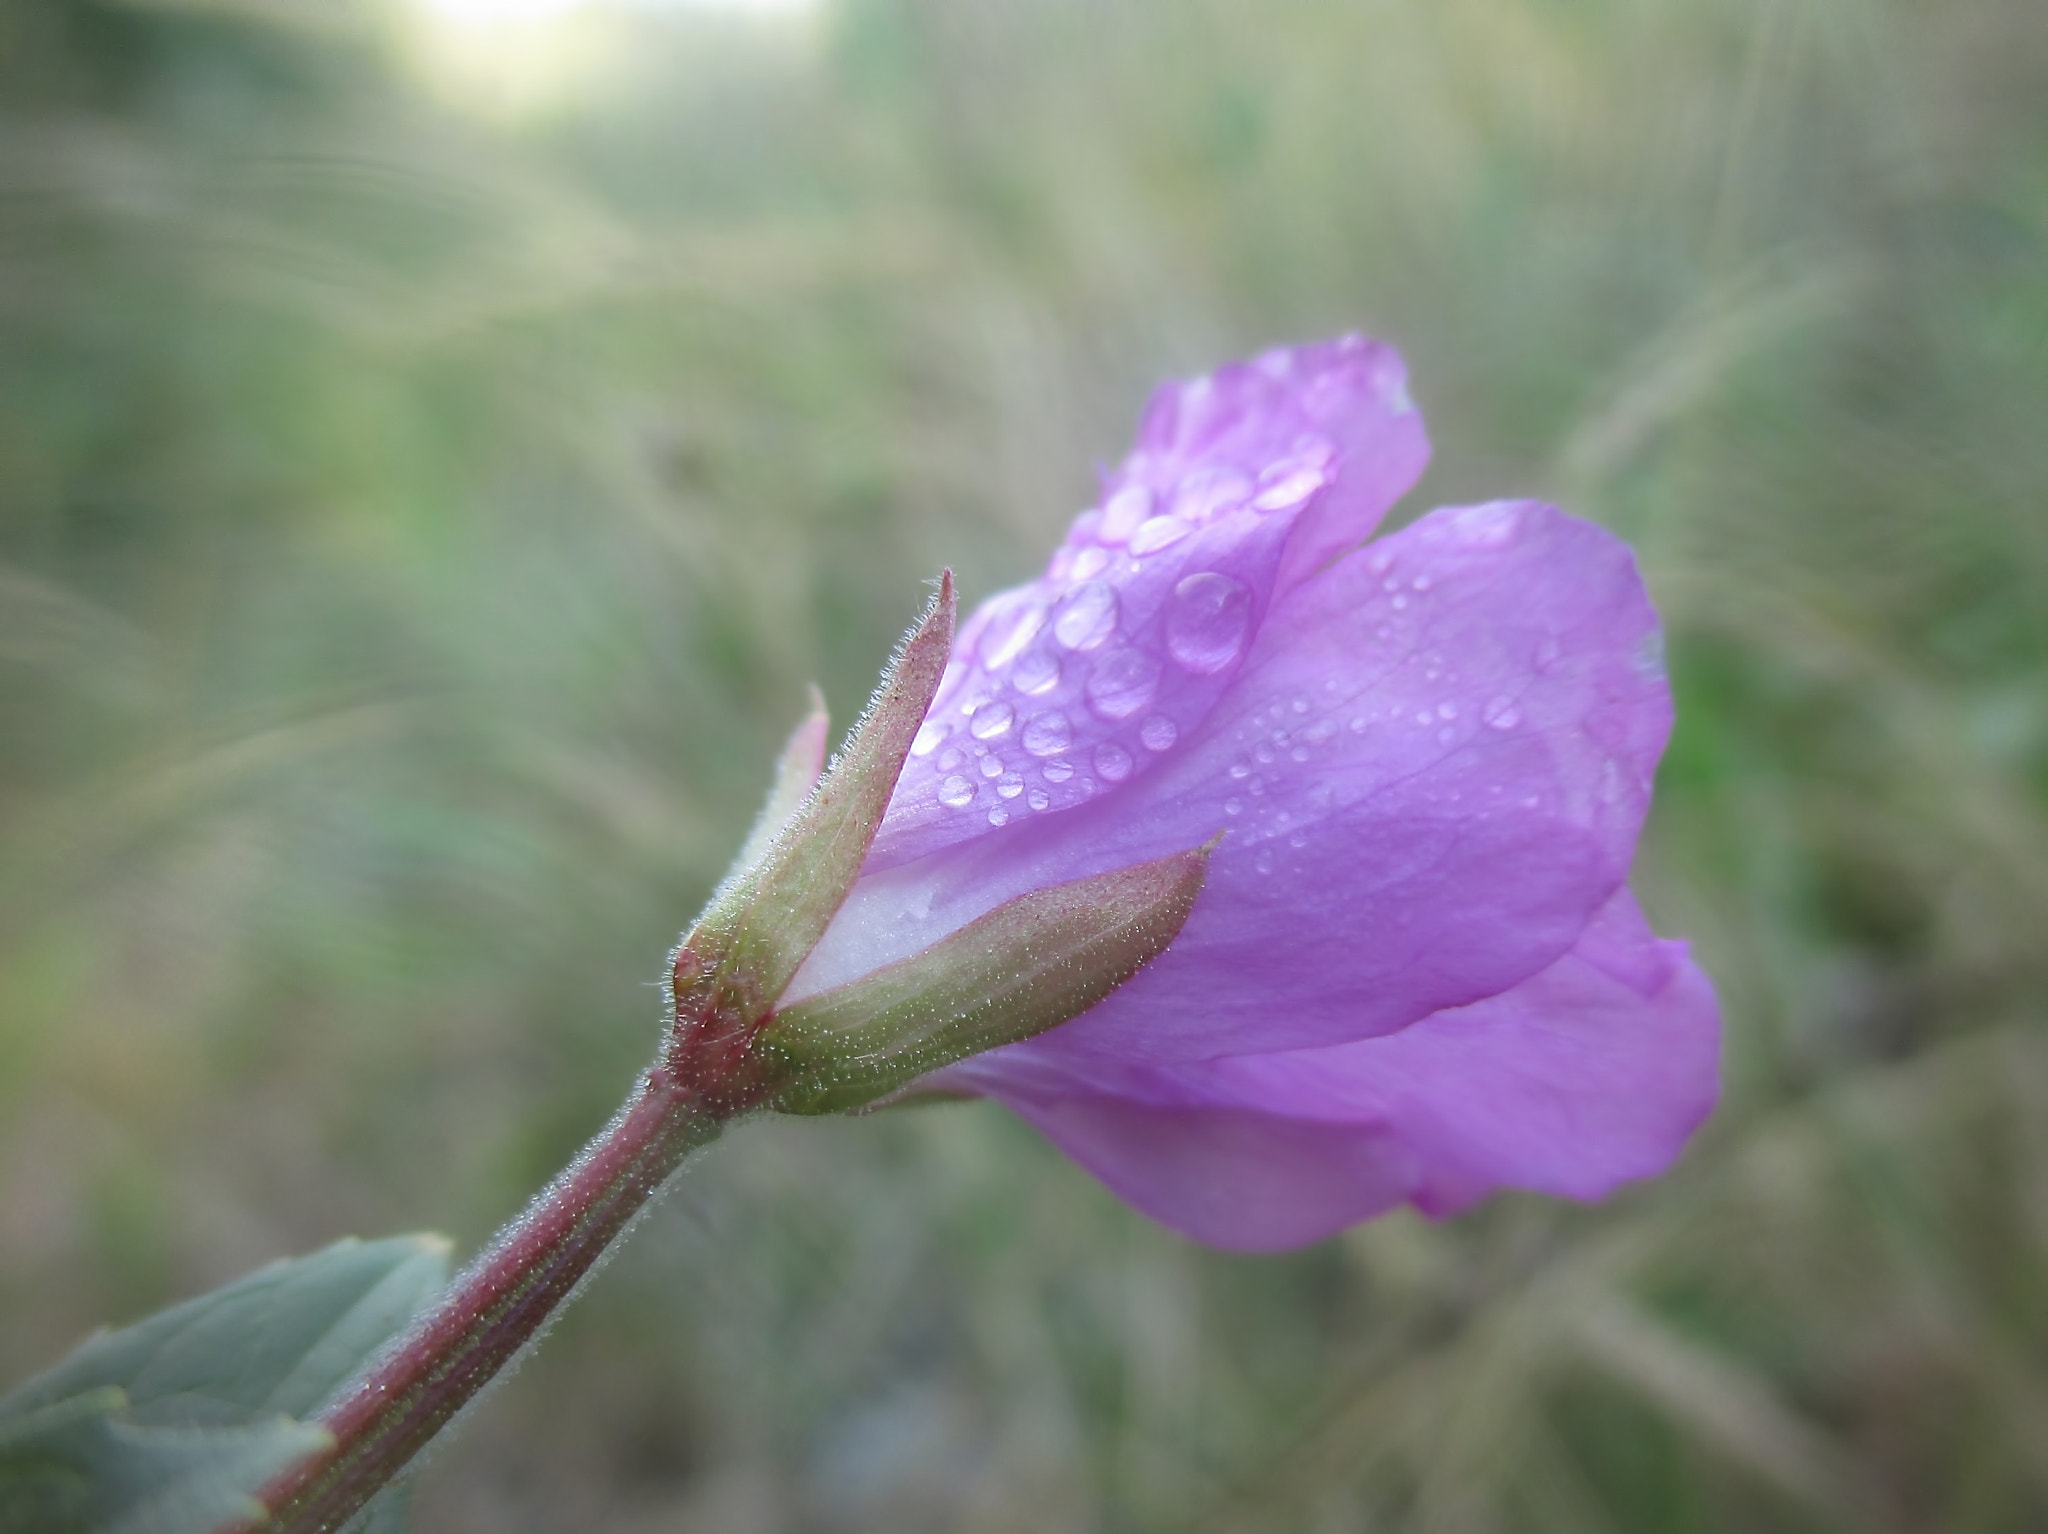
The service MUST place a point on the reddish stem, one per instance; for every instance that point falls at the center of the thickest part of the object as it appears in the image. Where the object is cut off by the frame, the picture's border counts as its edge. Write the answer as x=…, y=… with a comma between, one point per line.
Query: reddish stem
x=492, y=1310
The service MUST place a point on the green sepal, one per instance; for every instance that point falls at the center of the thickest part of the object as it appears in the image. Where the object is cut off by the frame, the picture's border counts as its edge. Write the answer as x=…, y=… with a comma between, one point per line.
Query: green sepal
x=1026, y=966
x=732, y=966
x=171, y=1425
x=796, y=774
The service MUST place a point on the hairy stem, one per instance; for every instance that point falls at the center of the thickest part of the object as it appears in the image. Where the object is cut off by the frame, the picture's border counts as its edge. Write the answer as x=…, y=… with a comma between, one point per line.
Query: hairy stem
x=492, y=1311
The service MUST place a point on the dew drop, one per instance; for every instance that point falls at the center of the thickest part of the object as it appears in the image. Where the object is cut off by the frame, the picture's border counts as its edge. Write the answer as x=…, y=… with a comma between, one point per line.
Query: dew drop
x=1240, y=770
x=1113, y=762
x=1009, y=785
x=1048, y=733
x=1038, y=799
x=1299, y=753
x=999, y=816
x=1298, y=839
x=1447, y=711
x=1089, y=563
x=1358, y=724
x=1420, y=583
x=955, y=792
x=991, y=766
x=991, y=720
x=1122, y=682
x=1263, y=752
x=1256, y=787
x=1264, y=861
x=1207, y=621
x=1158, y=733
x=927, y=739
x=1058, y=770
x=1158, y=533
x=1502, y=714
x=1204, y=493
x=1233, y=806
x=951, y=758
x=1125, y=512
x=1286, y=485
x=1036, y=672
x=1007, y=636
x=1299, y=705
x=1086, y=617
x=1400, y=602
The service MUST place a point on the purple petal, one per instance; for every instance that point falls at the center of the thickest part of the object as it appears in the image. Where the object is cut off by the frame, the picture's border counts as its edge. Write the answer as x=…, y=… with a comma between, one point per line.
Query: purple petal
x=1592, y=1073
x=1432, y=767
x=1241, y=484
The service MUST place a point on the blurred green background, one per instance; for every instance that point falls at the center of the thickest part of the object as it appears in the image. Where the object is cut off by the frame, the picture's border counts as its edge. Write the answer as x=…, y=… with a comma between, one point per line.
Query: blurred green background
x=433, y=458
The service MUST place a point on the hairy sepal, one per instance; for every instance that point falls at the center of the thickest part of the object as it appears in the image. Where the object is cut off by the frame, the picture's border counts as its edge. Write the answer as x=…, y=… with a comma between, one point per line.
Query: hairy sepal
x=1029, y=965
x=734, y=964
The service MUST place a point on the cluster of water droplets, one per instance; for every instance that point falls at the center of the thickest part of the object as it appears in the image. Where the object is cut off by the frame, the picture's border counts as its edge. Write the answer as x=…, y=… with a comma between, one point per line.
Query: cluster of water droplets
x=1066, y=699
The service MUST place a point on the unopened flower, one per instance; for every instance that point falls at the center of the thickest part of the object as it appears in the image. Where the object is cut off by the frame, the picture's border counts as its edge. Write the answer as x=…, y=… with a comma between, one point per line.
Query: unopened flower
x=1415, y=972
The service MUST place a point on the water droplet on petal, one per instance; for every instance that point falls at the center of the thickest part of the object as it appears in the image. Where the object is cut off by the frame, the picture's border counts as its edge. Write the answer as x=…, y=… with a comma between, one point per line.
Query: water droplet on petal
x=1240, y=770
x=1264, y=861
x=1086, y=617
x=1299, y=753
x=1298, y=839
x=1122, y=682
x=1206, y=492
x=1447, y=711
x=1113, y=762
x=1502, y=714
x=999, y=816
x=1058, y=770
x=991, y=720
x=1038, y=799
x=1263, y=752
x=1400, y=602
x=1158, y=533
x=1009, y=785
x=1158, y=733
x=955, y=792
x=1036, y=672
x=1006, y=636
x=1089, y=563
x=1286, y=485
x=1207, y=621
x=1124, y=512
x=991, y=766
x=927, y=739
x=951, y=758
x=1233, y=806
x=1048, y=733
x=1357, y=724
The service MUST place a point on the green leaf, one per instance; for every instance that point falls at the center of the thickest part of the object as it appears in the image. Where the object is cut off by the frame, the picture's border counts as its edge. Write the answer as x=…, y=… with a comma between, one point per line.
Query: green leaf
x=1026, y=966
x=83, y=1466
x=281, y=1340
x=170, y=1425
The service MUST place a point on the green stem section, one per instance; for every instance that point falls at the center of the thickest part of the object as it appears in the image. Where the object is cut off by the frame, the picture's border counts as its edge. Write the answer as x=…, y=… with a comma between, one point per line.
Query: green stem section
x=492, y=1311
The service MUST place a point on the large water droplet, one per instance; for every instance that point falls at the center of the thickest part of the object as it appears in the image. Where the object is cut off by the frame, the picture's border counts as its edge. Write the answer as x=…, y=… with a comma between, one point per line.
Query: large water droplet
x=1058, y=770
x=991, y=766
x=1038, y=799
x=1009, y=634
x=1089, y=563
x=1045, y=734
x=1009, y=785
x=1233, y=806
x=956, y=792
x=1036, y=672
x=1158, y=533
x=1122, y=682
x=1502, y=714
x=1286, y=485
x=991, y=720
x=1086, y=617
x=1124, y=512
x=1113, y=762
x=951, y=758
x=927, y=739
x=1207, y=621
x=1158, y=733
x=999, y=816
x=1207, y=492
